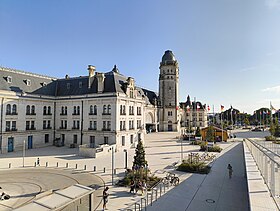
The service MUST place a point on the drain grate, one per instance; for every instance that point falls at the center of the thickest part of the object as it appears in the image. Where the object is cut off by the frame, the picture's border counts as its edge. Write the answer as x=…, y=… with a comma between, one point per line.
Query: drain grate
x=210, y=201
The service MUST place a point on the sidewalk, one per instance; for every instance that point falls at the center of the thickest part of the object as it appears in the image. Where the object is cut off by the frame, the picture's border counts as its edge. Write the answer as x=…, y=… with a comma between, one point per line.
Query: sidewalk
x=214, y=191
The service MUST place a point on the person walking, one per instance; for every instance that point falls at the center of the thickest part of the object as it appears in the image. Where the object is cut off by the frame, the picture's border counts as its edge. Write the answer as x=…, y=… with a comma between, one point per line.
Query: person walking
x=105, y=197
x=132, y=186
x=229, y=171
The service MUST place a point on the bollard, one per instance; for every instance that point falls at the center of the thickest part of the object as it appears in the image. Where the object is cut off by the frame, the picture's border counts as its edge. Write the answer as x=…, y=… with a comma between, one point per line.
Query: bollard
x=46, y=164
x=104, y=170
x=76, y=165
x=94, y=168
x=115, y=171
x=10, y=165
x=85, y=168
x=66, y=165
x=56, y=164
x=34, y=164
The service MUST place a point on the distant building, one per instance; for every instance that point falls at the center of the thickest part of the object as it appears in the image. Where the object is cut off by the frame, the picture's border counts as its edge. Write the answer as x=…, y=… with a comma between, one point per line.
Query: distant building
x=193, y=114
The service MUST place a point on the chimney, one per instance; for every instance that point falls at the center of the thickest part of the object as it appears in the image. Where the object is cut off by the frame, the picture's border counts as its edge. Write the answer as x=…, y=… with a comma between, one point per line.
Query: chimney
x=100, y=82
x=91, y=70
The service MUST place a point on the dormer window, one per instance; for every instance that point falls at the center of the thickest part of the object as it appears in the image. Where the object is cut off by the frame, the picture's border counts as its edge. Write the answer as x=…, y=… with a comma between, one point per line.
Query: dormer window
x=28, y=82
x=44, y=84
x=9, y=79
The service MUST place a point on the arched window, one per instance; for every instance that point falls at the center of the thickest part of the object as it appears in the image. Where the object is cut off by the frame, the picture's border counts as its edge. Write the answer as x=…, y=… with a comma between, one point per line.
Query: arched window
x=95, y=109
x=62, y=110
x=78, y=109
x=14, y=109
x=49, y=110
x=8, y=109
x=65, y=110
x=33, y=109
x=75, y=109
x=109, y=109
x=28, y=109
x=91, y=109
x=45, y=110
x=104, y=109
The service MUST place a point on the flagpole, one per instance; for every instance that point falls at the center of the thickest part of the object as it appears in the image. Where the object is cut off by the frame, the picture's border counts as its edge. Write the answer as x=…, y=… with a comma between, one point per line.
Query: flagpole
x=213, y=115
x=222, y=126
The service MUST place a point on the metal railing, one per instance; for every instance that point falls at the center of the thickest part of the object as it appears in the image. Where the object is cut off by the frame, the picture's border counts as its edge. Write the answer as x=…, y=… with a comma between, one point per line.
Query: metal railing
x=268, y=162
x=152, y=195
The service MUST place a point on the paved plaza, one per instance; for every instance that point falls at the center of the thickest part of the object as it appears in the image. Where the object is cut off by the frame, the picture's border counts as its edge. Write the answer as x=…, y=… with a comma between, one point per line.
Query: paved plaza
x=196, y=192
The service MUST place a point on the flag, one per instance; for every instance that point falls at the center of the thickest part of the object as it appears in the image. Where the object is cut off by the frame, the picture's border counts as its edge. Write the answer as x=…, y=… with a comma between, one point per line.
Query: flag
x=260, y=112
x=188, y=108
x=208, y=108
x=264, y=112
x=177, y=107
x=197, y=106
x=222, y=107
x=272, y=108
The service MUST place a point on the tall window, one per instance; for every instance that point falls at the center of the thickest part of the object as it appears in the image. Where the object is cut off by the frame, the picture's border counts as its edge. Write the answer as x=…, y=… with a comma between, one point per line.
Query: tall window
x=14, y=125
x=78, y=110
x=65, y=110
x=47, y=138
x=28, y=109
x=91, y=109
x=8, y=109
x=45, y=110
x=104, y=109
x=8, y=125
x=33, y=109
x=49, y=110
x=95, y=109
x=109, y=109
x=106, y=140
x=14, y=109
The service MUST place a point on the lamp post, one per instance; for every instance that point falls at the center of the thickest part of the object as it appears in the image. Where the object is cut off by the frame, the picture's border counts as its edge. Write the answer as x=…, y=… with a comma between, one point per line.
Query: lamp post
x=125, y=158
x=181, y=145
x=113, y=165
x=23, y=153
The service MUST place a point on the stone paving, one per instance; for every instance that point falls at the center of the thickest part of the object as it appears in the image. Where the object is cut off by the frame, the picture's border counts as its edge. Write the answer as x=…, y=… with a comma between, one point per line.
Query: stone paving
x=162, y=150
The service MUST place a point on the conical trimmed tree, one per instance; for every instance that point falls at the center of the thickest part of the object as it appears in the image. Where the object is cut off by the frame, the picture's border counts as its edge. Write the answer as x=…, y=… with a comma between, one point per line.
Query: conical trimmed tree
x=139, y=158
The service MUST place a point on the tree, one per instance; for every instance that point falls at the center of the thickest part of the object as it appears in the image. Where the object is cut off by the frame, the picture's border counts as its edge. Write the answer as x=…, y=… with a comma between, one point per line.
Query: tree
x=272, y=128
x=210, y=133
x=277, y=128
x=246, y=121
x=139, y=158
x=197, y=132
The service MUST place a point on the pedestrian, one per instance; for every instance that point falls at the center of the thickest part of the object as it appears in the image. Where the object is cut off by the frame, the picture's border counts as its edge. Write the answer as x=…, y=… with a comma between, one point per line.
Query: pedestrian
x=105, y=197
x=229, y=171
x=132, y=186
x=144, y=186
x=38, y=161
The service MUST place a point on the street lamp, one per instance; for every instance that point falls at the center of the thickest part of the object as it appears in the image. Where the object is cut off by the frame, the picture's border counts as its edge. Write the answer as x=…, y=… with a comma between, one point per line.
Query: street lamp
x=23, y=153
x=125, y=158
x=113, y=159
x=181, y=145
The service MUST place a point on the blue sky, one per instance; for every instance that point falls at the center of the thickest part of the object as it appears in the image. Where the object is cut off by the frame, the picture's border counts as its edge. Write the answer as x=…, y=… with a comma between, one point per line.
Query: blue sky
x=228, y=50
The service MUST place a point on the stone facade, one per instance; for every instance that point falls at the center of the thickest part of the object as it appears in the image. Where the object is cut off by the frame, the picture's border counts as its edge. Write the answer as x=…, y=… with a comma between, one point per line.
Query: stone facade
x=97, y=109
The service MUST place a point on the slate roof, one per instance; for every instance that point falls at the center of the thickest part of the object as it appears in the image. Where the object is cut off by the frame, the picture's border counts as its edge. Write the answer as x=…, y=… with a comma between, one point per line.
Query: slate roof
x=44, y=85
x=38, y=83
x=192, y=104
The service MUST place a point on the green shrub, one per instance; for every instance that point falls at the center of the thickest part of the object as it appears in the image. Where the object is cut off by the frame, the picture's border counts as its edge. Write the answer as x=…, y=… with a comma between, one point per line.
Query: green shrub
x=198, y=167
x=215, y=148
x=270, y=138
x=276, y=142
